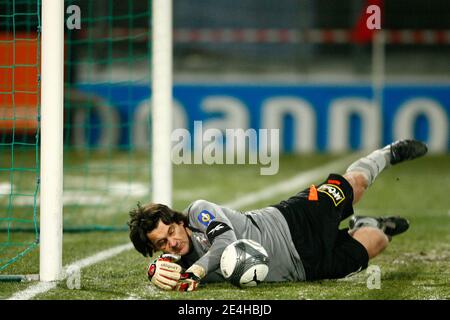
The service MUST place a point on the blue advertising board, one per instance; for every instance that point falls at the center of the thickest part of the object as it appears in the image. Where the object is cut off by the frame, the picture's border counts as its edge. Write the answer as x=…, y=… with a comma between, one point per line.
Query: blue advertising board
x=311, y=118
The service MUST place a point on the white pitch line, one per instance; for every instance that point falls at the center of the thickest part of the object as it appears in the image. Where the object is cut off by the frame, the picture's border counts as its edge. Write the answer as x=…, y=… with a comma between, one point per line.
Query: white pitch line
x=295, y=183
x=34, y=290
x=299, y=181
x=43, y=287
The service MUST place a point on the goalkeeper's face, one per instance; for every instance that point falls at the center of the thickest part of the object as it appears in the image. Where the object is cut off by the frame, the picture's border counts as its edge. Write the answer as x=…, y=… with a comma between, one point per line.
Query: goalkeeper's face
x=173, y=238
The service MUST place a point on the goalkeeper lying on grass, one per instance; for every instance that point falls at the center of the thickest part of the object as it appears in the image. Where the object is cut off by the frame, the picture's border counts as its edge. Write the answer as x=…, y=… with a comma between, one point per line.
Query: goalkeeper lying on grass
x=301, y=235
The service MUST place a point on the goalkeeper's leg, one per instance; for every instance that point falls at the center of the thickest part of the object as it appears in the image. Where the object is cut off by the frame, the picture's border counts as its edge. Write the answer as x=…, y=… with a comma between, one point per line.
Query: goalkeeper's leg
x=363, y=172
x=373, y=239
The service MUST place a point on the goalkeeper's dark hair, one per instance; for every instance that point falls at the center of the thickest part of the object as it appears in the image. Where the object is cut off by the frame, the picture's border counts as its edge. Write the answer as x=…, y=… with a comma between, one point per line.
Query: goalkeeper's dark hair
x=144, y=219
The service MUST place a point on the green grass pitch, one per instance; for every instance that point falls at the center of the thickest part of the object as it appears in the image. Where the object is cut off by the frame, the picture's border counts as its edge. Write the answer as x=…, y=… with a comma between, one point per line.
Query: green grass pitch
x=416, y=265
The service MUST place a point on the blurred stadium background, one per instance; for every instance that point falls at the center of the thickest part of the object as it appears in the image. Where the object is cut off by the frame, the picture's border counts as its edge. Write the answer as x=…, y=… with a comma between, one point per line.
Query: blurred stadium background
x=307, y=67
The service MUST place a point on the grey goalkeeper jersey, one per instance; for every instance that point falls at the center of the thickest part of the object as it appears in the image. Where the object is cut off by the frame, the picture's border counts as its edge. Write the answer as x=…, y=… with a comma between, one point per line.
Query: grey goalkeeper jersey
x=214, y=227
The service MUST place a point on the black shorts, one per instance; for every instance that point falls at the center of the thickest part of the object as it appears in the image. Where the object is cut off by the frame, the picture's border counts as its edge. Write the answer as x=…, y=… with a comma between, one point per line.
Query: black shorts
x=313, y=216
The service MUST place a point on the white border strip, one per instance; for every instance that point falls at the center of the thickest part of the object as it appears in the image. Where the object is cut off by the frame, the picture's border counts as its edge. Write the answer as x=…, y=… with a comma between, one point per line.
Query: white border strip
x=295, y=183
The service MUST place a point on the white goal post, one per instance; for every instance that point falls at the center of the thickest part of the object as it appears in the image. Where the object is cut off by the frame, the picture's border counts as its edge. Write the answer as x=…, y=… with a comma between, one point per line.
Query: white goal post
x=51, y=154
x=161, y=101
x=52, y=113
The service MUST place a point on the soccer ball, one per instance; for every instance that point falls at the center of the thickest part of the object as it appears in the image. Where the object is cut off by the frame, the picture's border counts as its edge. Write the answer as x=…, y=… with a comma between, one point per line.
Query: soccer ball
x=244, y=263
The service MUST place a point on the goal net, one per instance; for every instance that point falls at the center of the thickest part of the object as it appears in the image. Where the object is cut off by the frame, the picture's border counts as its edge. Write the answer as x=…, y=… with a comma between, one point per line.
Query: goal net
x=19, y=129
x=107, y=159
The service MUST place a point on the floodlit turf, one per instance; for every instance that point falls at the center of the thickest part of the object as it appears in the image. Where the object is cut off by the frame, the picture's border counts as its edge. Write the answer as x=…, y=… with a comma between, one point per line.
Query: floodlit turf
x=415, y=266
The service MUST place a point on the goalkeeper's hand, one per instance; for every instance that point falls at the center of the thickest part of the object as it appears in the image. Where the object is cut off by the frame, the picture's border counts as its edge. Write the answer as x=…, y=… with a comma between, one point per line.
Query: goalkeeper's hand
x=190, y=279
x=164, y=272
x=188, y=282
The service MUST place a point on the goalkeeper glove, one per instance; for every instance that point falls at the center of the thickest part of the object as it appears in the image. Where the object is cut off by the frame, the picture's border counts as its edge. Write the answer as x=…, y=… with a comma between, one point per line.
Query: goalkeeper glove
x=189, y=280
x=164, y=272
x=167, y=275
